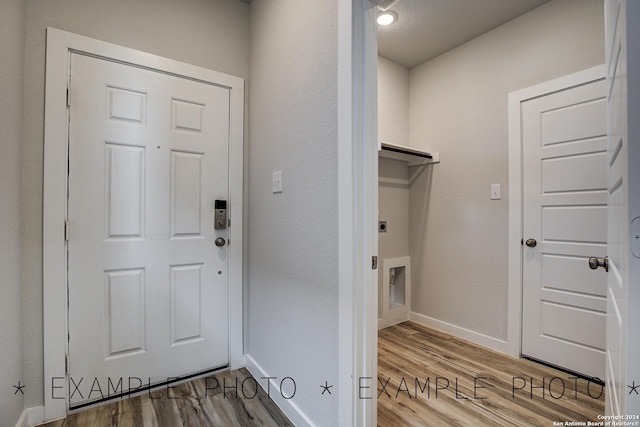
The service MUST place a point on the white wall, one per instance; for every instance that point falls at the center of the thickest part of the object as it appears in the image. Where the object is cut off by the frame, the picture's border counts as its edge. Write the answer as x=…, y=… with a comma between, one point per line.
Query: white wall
x=393, y=102
x=11, y=84
x=209, y=33
x=292, y=288
x=458, y=106
x=393, y=207
x=393, y=175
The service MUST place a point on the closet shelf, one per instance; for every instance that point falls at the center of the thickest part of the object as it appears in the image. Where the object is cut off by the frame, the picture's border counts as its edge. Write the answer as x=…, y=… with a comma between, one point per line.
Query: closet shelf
x=400, y=152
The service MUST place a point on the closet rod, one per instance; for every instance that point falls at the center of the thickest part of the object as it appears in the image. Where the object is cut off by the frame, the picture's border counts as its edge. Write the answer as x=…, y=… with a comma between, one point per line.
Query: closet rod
x=409, y=152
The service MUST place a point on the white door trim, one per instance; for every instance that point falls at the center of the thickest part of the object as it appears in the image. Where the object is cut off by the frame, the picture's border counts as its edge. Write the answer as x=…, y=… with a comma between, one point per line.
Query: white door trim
x=59, y=46
x=514, y=316
x=358, y=207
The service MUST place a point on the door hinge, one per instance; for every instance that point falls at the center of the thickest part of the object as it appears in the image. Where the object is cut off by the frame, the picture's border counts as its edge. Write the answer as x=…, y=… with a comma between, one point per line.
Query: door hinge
x=66, y=230
x=68, y=97
x=67, y=364
x=374, y=262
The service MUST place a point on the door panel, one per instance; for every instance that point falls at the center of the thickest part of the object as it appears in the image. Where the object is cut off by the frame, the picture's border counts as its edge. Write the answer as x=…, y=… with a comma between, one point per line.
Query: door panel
x=568, y=273
x=592, y=330
x=558, y=173
x=125, y=311
x=125, y=173
x=186, y=181
x=565, y=210
x=573, y=122
x=559, y=223
x=148, y=288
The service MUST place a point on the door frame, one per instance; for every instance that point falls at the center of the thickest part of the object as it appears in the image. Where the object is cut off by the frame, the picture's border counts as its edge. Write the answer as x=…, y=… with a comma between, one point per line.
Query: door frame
x=358, y=212
x=60, y=45
x=516, y=209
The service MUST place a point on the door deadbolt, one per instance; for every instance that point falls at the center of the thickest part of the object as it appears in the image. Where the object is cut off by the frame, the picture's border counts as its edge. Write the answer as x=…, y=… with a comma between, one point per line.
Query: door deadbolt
x=531, y=243
x=220, y=215
x=594, y=263
x=220, y=242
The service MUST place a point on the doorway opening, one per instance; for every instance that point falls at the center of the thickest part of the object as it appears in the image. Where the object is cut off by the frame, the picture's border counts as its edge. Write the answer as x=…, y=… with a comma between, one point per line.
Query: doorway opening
x=455, y=209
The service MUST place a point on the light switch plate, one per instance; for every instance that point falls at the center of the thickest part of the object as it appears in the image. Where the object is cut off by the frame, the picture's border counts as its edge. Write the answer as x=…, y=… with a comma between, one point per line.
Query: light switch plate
x=276, y=183
x=495, y=192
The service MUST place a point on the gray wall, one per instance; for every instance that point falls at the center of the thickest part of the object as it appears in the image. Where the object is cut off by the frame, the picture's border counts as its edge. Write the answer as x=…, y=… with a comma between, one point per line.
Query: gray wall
x=393, y=207
x=292, y=310
x=458, y=106
x=393, y=102
x=11, y=84
x=393, y=175
x=209, y=33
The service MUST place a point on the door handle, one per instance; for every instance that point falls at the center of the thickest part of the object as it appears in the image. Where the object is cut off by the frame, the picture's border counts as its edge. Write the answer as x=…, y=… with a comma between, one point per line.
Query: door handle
x=594, y=263
x=531, y=243
x=220, y=242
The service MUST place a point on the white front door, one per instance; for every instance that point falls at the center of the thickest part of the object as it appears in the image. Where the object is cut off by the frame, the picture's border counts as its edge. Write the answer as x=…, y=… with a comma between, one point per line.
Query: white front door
x=148, y=287
x=565, y=216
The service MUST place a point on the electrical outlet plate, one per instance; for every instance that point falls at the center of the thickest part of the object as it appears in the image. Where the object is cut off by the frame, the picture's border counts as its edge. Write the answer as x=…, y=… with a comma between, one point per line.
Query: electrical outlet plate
x=276, y=183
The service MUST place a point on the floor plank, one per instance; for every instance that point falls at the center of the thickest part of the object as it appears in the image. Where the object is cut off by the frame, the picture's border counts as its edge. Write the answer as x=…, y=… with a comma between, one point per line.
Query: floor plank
x=435, y=379
x=198, y=403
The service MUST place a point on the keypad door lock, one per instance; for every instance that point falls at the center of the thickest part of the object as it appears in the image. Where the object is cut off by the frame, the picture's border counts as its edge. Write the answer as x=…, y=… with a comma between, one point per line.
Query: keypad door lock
x=220, y=215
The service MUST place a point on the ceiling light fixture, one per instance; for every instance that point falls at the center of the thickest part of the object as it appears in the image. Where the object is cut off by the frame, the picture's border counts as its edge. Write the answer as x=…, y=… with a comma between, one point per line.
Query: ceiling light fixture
x=387, y=18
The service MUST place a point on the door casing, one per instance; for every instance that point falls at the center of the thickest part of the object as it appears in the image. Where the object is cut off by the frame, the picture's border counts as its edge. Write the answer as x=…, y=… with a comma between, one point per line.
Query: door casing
x=59, y=46
x=514, y=309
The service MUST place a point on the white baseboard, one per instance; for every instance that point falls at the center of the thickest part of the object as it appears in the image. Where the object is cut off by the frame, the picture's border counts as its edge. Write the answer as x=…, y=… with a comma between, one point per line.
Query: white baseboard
x=238, y=362
x=23, y=421
x=290, y=409
x=459, y=332
x=392, y=320
x=31, y=417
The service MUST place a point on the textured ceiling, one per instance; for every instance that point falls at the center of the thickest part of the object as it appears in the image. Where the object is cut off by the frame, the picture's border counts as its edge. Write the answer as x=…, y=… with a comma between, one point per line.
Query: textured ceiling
x=428, y=28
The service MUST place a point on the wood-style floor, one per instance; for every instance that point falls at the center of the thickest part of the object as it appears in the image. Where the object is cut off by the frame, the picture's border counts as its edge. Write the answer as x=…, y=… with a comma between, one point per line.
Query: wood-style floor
x=194, y=404
x=410, y=354
x=425, y=378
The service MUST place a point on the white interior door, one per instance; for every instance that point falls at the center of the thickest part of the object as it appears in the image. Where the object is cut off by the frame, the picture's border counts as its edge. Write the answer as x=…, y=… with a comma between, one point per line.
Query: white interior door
x=565, y=222
x=148, y=287
x=622, y=36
